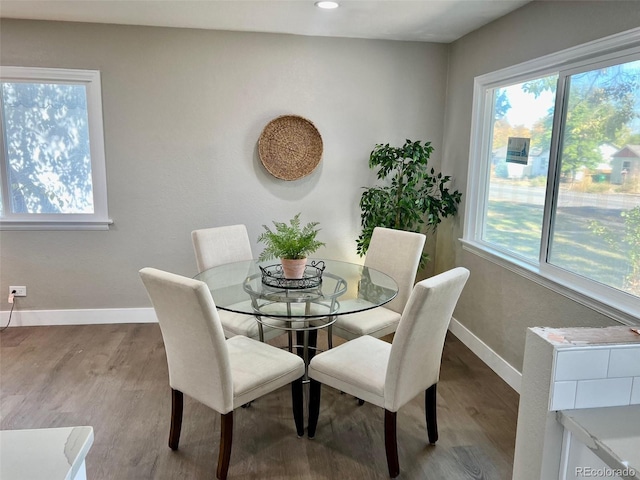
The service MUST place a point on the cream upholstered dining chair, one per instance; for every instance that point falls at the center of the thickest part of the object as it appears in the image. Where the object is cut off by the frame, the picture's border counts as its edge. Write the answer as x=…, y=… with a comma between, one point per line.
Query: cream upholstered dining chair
x=222, y=374
x=217, y=246
x=396, y=253
x=390, y=375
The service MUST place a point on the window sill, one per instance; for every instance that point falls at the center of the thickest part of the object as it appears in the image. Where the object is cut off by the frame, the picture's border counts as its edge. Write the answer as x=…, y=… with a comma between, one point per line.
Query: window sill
x=600, y=303
x=65, y=225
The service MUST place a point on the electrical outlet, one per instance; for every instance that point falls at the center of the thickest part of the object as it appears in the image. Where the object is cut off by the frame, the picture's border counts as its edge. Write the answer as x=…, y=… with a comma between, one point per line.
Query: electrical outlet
x=21, y=291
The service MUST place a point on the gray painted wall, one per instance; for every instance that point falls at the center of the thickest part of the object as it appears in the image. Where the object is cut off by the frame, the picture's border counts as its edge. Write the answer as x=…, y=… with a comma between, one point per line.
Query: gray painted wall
x=183, y=110
x=497, y=305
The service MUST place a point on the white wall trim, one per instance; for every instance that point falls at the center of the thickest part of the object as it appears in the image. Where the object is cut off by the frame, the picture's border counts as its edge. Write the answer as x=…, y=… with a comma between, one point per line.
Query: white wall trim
x=494, y=361
x=35, y=318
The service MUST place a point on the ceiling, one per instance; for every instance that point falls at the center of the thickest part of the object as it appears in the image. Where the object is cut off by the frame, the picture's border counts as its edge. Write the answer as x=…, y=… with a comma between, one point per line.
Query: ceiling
x=440, y=21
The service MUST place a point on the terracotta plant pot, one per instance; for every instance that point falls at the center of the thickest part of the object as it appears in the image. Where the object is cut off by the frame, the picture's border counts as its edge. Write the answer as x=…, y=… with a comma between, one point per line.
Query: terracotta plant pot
x=293, y=268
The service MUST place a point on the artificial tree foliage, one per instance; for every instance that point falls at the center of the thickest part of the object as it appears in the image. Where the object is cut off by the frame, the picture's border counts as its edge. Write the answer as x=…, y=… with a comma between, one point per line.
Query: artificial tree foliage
x=413, y=197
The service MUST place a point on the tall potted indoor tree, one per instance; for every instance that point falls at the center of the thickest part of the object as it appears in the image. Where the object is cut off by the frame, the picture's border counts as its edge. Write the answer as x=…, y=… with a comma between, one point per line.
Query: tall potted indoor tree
x=413, y=197
x=290, y=243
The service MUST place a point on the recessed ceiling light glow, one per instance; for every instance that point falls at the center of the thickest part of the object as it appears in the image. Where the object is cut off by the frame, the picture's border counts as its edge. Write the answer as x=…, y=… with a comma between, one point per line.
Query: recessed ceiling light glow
x=327, y=5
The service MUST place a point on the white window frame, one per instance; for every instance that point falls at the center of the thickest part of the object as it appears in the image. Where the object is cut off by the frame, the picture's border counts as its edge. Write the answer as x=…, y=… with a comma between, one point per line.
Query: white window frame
x=99, y=220
x=620, y=306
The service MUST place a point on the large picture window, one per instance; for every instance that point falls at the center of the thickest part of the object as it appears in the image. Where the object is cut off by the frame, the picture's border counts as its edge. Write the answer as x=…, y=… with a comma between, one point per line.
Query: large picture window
x=554, y=187
x=52, y=156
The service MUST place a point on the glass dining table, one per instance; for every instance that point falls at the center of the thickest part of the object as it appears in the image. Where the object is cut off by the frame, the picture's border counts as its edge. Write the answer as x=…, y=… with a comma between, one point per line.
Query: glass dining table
x=328, y=289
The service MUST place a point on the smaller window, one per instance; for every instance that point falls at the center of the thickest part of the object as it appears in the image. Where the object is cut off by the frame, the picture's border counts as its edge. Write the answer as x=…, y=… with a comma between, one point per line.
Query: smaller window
x=52, y=162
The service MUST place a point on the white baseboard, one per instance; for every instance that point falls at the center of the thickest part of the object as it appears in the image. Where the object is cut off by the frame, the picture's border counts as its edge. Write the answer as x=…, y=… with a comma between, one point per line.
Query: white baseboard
x=494, y=361
x=36, y=318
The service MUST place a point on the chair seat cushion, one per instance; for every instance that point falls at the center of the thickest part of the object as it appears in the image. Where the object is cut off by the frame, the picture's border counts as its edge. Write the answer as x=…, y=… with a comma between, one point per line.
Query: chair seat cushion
x=258, y=368
x=357, y=367
x=376, y=322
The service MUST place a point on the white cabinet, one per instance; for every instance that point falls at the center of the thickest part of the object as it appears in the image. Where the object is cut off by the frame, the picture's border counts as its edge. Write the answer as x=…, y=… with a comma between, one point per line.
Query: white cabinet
x=600, y=443
x=45, y=454
x=573, y=370
x=578, y=461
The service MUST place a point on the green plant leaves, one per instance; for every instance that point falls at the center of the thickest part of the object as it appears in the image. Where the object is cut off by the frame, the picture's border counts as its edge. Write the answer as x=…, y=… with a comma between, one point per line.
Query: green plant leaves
x=415, y=197
x=289, y=241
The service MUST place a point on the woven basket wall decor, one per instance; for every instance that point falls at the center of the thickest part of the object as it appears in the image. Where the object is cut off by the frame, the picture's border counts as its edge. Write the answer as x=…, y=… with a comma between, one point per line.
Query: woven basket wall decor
x=290, y=147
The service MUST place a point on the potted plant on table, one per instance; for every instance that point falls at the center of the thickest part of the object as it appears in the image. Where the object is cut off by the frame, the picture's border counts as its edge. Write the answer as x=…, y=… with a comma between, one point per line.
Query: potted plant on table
x=291, y=243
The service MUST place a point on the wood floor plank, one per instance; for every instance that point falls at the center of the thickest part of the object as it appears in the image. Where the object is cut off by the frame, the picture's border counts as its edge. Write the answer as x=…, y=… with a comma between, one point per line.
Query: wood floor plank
x=114, y=377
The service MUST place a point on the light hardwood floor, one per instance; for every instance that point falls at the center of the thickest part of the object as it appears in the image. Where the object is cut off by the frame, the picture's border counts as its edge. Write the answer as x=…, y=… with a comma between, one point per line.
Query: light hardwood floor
x=114, y=378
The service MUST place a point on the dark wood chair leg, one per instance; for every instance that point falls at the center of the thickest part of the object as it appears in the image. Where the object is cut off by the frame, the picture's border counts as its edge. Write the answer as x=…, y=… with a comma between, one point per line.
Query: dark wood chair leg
x=297, y=401
x=226, y=438
x=176, y=418
x=290, y=340
x=430, y=413
x=391, y=443
x=314, y=407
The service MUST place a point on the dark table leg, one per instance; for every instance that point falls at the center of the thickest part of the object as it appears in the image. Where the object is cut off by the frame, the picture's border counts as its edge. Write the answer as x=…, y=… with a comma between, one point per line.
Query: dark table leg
x=310, y=345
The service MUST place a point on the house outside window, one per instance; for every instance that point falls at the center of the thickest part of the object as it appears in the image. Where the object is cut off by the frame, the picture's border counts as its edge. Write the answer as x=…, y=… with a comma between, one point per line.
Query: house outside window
x=52, y=162
x=554, y=175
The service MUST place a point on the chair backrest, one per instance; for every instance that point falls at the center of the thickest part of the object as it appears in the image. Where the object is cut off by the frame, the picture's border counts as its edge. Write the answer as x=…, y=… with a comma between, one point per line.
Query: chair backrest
x=416, y=351
x=220, y=245
x=396, y=253
x=194, y=341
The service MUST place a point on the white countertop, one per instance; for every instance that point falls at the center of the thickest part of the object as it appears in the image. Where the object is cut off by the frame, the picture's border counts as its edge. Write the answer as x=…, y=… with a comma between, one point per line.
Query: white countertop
x=47, y=453
x=612, y=433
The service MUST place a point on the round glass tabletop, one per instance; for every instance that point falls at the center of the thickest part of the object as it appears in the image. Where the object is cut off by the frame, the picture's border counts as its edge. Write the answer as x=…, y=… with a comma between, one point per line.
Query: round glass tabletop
x=245, y=287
